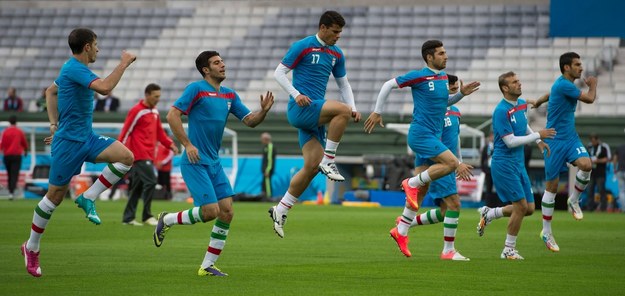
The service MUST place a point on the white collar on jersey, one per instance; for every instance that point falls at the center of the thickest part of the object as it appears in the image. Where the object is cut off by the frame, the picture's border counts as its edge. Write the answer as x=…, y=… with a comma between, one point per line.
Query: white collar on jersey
x=320, y=41
x=435, y=71
x=513, y=103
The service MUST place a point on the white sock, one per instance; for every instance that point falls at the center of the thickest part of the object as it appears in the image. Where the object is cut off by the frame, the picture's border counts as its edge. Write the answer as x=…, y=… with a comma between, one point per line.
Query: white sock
x=420, y=180
x=329, y=152
x=111, y=174
x=285, y=204
x=581, y=181
x=547, y=207
x=495, y=213
x=41, y=217
x=406, y=219
x=511, y=241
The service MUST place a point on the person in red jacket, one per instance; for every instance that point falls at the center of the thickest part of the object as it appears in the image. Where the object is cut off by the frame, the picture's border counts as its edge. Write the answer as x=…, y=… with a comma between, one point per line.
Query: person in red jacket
x=163, y=162
x=141, y=132
x=13, y=145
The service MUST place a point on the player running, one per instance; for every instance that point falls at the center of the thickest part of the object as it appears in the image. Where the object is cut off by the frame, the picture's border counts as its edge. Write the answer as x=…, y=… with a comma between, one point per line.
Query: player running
x=444, y=190
x=430, y=94
x=70, y=110
x=508, y=162
x=207, y=105
x=566, y=146
x=312, y=60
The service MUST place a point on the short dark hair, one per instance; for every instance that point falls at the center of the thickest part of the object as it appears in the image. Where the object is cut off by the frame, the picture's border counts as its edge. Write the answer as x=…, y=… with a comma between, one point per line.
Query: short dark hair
x=502, y=79
x=202, y=60
x=330, y=18
x=12, y=119
x=594, y=136
x=152, y=87
x=452, y=78
x=80, y=37
x=567, y=59
x=429, y=48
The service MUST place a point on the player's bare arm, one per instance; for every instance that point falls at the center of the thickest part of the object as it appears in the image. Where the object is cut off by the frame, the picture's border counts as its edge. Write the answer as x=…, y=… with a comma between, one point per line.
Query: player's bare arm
x=590, y=96
x=257, y=117
x=535, y=103
x=53, y=112
x=175, y=123
x=106, y=85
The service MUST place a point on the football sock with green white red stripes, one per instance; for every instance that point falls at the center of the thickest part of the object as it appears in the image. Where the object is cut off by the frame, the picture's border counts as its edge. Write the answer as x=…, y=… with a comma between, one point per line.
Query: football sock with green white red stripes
x=329, y=152
x=404, y=222
x=581, y=181
x=450, y=225
x=41, y=217
x=217, y=243
x=432, y=216
x=286, y=203
x=186, y=217
x=547, y=206
x=420, y=180
x=111, y=174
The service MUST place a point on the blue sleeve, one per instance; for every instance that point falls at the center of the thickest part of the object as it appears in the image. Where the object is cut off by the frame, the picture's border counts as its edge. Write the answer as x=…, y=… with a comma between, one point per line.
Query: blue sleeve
x=501, y=124
x=187, y=99
x=407, y=79
x=82, y=75
x=238, y=109
x=339, y=68
x=570, y=91
x=290, y=60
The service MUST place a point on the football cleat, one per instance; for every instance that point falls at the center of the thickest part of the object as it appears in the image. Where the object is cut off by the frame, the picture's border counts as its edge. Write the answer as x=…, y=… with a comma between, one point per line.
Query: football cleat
x=411, y=194
x=88, y=206
x=453, y=255
x=278, y=222
x=550, y=242
x=331, y=171
x=31, y=260
x=211, y=271
x=160, y=230
x=511, y=254
x=402, y=242
x=575, y=209
x=484, y=220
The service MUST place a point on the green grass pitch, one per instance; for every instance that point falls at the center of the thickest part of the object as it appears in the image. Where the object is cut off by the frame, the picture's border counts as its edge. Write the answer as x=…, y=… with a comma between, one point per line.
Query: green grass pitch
x=327, y=250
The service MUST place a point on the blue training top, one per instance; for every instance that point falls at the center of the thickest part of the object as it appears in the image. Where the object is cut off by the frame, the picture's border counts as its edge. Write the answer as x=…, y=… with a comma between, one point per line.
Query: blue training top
x=509, y=119
x=208, y=110
x=312, y=64
x=451, y=129
x=75, y=101
x=561, y=108
x=430, y=92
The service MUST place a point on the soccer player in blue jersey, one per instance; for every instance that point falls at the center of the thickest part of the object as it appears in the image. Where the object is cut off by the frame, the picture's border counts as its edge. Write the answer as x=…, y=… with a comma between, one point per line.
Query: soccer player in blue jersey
x=70, y=111
x=444, y=190
x=207, y=105
x=566, y=146
x=312, y=60
x=508, y=162
x=431, y=97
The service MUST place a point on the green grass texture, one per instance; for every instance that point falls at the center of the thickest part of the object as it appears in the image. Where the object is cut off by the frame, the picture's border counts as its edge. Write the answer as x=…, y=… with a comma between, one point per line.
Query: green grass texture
x=327, y=250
